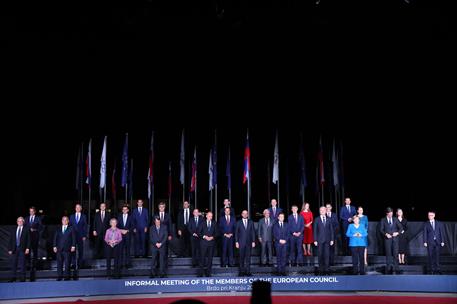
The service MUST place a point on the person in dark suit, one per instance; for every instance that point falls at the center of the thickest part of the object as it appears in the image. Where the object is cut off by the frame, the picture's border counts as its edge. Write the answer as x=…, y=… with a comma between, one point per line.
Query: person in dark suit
x=165, y=219
x=126, y=223
x=184, y=217
x=227, y=224
x=296, y=226
x=403, y=237
x=433, y=239
x=244, y=241
x=228, y=203
x=208, y=232
x=158, y=235
x=113, y=246
x=323, y=240
x=346, y=214
x=141, y=219
x=35, y=227
x=194, y=228
x=78, y=221
x=64, y=246
x=281, y=238
x=265, y=237
x=333, y=218
x=390, y=228
x=274, y=210
x=18, y=248
x=101, y=223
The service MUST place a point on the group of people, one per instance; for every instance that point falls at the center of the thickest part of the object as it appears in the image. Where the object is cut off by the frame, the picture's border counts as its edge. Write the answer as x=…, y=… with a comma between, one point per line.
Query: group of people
x=290, y=240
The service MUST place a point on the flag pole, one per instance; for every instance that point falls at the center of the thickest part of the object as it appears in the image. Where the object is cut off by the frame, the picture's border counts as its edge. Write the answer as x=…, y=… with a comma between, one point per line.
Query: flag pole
x=249, y=179
x=184, y=179
x=215, y=169
x=81, y=175
x=196, y=179
x=268, y=181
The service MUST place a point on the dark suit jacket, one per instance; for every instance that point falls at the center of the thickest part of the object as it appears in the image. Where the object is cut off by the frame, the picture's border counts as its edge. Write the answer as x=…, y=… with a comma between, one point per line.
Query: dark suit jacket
x=129, y=225
x=390, y=229
x=24, y=242
x=281, y=234
x=224, y=228
x=345, y=214
x=430, y=234
x=265, y=232
x=37, y=225
x=245, y=236
x=99, y=226
x=80, y=228
x=166, y=221
x=160, y=237
x=192, y=227
x=232, y=212
x=64, y=241
x=180, y=221
x=213, y=231
x=278, y=211
x=296, y=227
x=323, y=233
x=334, y=220
x=141, y=221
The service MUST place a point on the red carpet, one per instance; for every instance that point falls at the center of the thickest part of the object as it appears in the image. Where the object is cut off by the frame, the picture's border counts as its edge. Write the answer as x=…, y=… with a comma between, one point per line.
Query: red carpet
x=286, y=300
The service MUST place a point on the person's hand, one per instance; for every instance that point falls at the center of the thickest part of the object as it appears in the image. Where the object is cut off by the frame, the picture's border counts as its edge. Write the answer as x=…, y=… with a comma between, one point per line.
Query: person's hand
x=134, y=230
x=388, y=236
x=298, y=233
x=442, y=244
x=331, y=243
x=253, y=244
x=282, y=242
x=73, y=248
x=237, y=245
x=55, y=249
x=350, y=219
x=145, y=229
x=179, y=232
x=425, y=244
x=169, y=237
x=94, y=233
x=158, y=245
x=10, y=252
x=84, y=238
x=315, y=243
x=260, y=240
x=395, y=234
x=195, y=235
x=27, y=251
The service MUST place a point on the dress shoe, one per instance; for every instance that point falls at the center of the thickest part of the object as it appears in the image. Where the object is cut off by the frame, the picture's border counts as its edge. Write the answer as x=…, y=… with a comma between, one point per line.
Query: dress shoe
x=59, y=279
x=12, y=280
x=67, y=279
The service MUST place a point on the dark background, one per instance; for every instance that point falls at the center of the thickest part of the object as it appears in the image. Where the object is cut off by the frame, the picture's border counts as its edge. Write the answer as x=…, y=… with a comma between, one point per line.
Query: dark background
x=378, y=75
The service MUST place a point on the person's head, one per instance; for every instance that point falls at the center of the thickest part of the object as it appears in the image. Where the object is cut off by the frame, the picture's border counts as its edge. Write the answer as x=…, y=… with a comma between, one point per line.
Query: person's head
x=431, y=215
x=32, y=210
x=227, y=210
x=322, y=210
x=185, y=205
x=65, y=220
x=139, y=203
x=328, y=206
x=157, y=220
x=399, y=212
x=389, y=212
x=102, y=206
x=347, y=201
x=294, y=208
x=281, y=217
x=196, y=212
x=244, y=214
x=266, y=213
x=274, y=203
x=227, y=202
x=113, y=222
x=162, y=207
x=356, y=219
x=78, y=207
x=20, y=221
x=125, y=209
x=360, y=210
x=305, y=206
x=209, y=216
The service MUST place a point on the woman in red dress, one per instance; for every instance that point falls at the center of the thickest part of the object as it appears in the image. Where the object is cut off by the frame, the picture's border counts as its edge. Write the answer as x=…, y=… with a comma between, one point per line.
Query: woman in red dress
x=308, y=232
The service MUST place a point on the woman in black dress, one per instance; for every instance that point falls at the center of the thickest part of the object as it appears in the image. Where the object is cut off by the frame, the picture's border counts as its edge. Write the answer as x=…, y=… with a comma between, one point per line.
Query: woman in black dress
x=403, y=237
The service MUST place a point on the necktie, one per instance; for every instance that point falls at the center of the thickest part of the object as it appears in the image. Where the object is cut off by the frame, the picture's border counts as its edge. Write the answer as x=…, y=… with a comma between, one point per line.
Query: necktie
x=280, y=225
x=209, y=224
x=158, y=229
x=349, y=208
x=103, y=216
x=196, y=221
x=161, y=216
x=228, y=220
x=77, y=218
x=329, y=214
x=185, y=216
x=245, y=224
x=323, y=220
x=125, y=220
x=433, y=225
x=295, y=217
x=268, y=222
x=139, y=209
x=274, y=211
x=63, y=229
x=18, y=236
x=31, y=219
x=390, y=222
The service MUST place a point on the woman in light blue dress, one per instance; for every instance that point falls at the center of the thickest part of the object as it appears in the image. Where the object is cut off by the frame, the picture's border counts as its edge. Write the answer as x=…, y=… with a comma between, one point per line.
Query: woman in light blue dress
x=364, y=223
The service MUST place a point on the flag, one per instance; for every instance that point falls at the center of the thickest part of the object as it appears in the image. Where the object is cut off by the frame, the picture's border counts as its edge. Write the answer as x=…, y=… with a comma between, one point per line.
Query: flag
x=182, y=157
x=103, y=166
x=89, y=164
x=169, y=179
x=79, y=167
x=336, y=179
x=113, y=183
x=210, y=170
x=247, y=161
x=276, y=161
x=303, y=181
x=151, y=168
x=193, y=181
x=131, y=180
x=214, y=159
x=228, y=173
x=125, y=162
x=320, y=158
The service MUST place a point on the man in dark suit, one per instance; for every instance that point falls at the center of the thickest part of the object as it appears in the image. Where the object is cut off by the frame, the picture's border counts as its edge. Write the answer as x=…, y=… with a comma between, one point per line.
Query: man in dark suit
x=208, y=232
x=101, y=223
x=194, y=228
x=390, y=228
x=158, y=235
x=333, y=219
x=184, y=217
x=64, y=246
x=265, y=236
x=433, y=240
x=78, y=221
x=35, y=227
x=18, y=248
x=244, y=241
x=227, y=225
x=346, y=214
x=281, y=239
x=165, y=219
x=126, y=223
x=274, y=210
x=323, y=239
x=296, y=225
x=228, y=203
x=141, y=219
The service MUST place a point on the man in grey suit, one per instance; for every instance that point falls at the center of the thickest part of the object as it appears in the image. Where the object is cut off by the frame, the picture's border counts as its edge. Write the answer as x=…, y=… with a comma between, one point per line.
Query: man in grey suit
x=265, y=235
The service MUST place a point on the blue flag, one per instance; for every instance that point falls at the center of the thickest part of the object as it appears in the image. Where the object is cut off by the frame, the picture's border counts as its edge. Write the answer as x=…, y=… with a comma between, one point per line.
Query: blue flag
x=125, y=162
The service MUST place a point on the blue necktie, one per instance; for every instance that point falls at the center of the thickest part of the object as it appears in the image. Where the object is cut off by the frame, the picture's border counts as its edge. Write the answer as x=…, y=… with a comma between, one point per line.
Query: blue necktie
x=18, y=237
